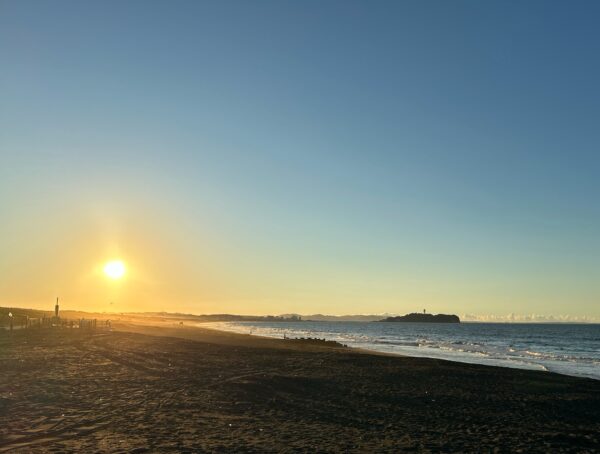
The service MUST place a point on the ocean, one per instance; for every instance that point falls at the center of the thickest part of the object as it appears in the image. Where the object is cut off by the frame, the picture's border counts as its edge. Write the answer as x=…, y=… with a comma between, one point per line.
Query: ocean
x=571, y=349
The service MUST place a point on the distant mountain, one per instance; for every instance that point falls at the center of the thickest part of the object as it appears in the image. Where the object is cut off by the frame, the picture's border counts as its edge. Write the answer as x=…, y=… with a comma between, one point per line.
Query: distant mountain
x=423, y=318
x=222, y=317
x=247, y=318
x=337, y=318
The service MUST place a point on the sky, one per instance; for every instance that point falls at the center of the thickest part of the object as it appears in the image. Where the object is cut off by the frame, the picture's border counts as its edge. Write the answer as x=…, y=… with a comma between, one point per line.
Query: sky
x=274, y=157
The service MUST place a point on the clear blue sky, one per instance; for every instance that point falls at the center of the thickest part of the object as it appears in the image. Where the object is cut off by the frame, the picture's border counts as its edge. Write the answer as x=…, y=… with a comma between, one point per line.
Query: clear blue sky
x=315, y=156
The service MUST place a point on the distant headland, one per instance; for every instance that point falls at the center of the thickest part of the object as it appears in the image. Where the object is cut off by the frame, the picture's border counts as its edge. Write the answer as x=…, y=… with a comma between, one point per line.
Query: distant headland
x=423, y=318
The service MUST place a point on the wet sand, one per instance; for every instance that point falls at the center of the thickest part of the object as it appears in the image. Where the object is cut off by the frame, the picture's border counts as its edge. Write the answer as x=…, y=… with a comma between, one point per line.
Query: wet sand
x=167, y=389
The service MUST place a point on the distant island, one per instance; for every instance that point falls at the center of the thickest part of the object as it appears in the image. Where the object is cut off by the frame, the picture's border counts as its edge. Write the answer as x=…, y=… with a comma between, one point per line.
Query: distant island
x=423, y=318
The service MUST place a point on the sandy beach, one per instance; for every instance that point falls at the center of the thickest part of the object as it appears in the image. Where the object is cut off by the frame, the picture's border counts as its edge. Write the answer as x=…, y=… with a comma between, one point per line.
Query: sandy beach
x=166, y=389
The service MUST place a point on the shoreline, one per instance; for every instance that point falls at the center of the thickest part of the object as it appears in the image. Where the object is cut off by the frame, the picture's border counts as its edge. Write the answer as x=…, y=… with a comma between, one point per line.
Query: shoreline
x=516, y=363
x=238, y=338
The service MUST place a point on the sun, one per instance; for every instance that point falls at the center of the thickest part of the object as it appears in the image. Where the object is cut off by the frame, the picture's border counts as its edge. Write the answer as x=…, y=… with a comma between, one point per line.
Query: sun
x=115, y=269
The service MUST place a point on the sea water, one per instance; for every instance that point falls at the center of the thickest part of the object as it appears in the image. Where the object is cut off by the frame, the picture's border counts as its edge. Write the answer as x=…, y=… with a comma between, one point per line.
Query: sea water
x=571, y=349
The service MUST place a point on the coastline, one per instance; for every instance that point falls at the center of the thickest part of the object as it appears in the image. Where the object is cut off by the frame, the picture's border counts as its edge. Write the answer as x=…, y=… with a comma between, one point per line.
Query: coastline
x=451, y=349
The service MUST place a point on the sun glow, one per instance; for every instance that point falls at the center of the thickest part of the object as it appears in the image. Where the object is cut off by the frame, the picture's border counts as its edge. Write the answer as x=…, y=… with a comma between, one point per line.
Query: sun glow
x=115, y=269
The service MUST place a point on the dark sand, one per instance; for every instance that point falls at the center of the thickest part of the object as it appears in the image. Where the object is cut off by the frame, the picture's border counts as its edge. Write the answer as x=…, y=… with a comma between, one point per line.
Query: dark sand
x=205, y=391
